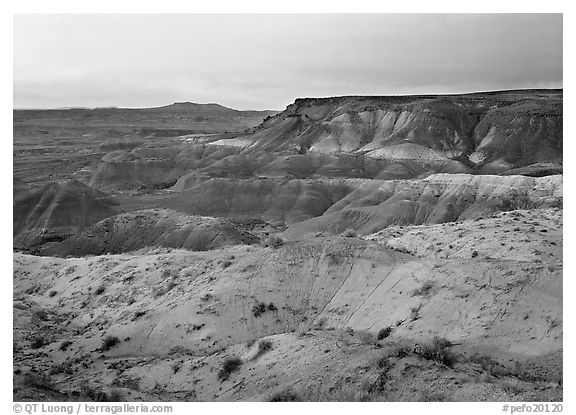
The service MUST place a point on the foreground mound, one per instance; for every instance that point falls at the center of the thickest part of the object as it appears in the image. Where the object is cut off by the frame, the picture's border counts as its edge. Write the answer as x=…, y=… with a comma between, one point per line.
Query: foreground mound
x=147, y=228
x=56, y=211
x=253, y=323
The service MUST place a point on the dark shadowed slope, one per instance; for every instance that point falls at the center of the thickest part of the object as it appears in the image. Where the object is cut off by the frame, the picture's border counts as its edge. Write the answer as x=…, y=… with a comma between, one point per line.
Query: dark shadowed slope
x=159, y=227
x=56, y=211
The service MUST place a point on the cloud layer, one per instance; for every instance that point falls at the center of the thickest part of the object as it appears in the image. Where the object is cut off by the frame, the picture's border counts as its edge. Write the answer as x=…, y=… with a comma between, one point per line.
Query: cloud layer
x=266, y=61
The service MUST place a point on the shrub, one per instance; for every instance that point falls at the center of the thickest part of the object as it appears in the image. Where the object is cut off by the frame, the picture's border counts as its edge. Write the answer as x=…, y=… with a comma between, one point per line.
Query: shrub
x=272, y=307
x=284, y=396
x=259, y=309
x=366, y=337
x=273, y=241
x=65, y=367
x=38, y=341
x=415, y=313
x=349, y=233
x=230, y=365
x=518, y=199
x=263, y=347
x=109, y=342
x=424, y=290
x=64, y=345
x=438, y=351
x=100, y=396
x=40, y=315
x=100, y=290
x=176, y=366
x=226, y=264
x=37, y=380
x=383, y=333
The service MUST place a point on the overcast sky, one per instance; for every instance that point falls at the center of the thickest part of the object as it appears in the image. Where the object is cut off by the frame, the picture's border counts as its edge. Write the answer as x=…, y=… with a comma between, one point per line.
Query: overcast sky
x=266, y=61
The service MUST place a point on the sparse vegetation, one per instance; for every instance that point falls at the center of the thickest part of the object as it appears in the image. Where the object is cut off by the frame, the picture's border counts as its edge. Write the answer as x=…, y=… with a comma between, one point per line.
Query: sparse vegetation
x=258, y=309
x=229, y=366
x=273, y=241
x=424, y=290
x=176, y=366
x=383, y=333
x=39, y=341
x=519, y=200
x=96, y=395
x=264, y=346
x=64, y=345
x=415, y=313
x=284, y=396
x=438, y=350
x=38, y=380
x=349, y=233
x=109, y=342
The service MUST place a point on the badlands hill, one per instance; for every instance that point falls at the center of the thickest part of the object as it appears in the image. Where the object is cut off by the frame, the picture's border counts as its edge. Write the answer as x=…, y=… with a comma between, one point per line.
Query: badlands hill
x=163, y=228
x=310, y=257
x=404, y=137
x=492, y=132
x=56, y=211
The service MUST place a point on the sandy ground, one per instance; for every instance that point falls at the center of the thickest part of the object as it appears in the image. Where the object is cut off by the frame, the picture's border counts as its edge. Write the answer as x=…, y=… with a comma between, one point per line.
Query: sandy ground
x=178, y=315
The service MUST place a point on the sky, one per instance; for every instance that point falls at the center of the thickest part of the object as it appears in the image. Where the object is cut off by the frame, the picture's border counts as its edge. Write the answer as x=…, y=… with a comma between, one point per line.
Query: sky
x=257, y=61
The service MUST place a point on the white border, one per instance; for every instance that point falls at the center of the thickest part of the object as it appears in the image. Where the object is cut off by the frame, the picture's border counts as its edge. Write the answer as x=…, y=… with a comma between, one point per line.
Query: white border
x=293, y=6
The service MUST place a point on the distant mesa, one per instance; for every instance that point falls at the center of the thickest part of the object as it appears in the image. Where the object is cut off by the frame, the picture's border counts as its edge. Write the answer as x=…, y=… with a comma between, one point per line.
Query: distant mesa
x=491, y=132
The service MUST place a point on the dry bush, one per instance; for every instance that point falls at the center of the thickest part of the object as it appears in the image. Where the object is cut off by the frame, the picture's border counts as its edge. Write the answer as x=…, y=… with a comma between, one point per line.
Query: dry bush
x=109, y=342
x=424, y=290
x=383, y=333
x=518, y=200
x=229, y=365
x=438, y=350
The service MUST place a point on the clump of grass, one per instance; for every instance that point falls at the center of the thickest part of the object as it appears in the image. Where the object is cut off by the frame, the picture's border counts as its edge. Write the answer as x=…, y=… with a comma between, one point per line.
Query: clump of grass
x=383, y=333
x=424, y=290
x=109, y=342
x=366, y=337
x=64, y=367
x=518, y=200
x=258, y=309
x=284, y=396
x=96, y=395
x=38, y=341
x=64, y=345
x=229, y=366
x=38, y=380
x=349, y=233
x=273, y=241
x=176, y=366
x=264, y=346
x=40, y=315
x=434, y=397
x=415, y=313
x=438, y=350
